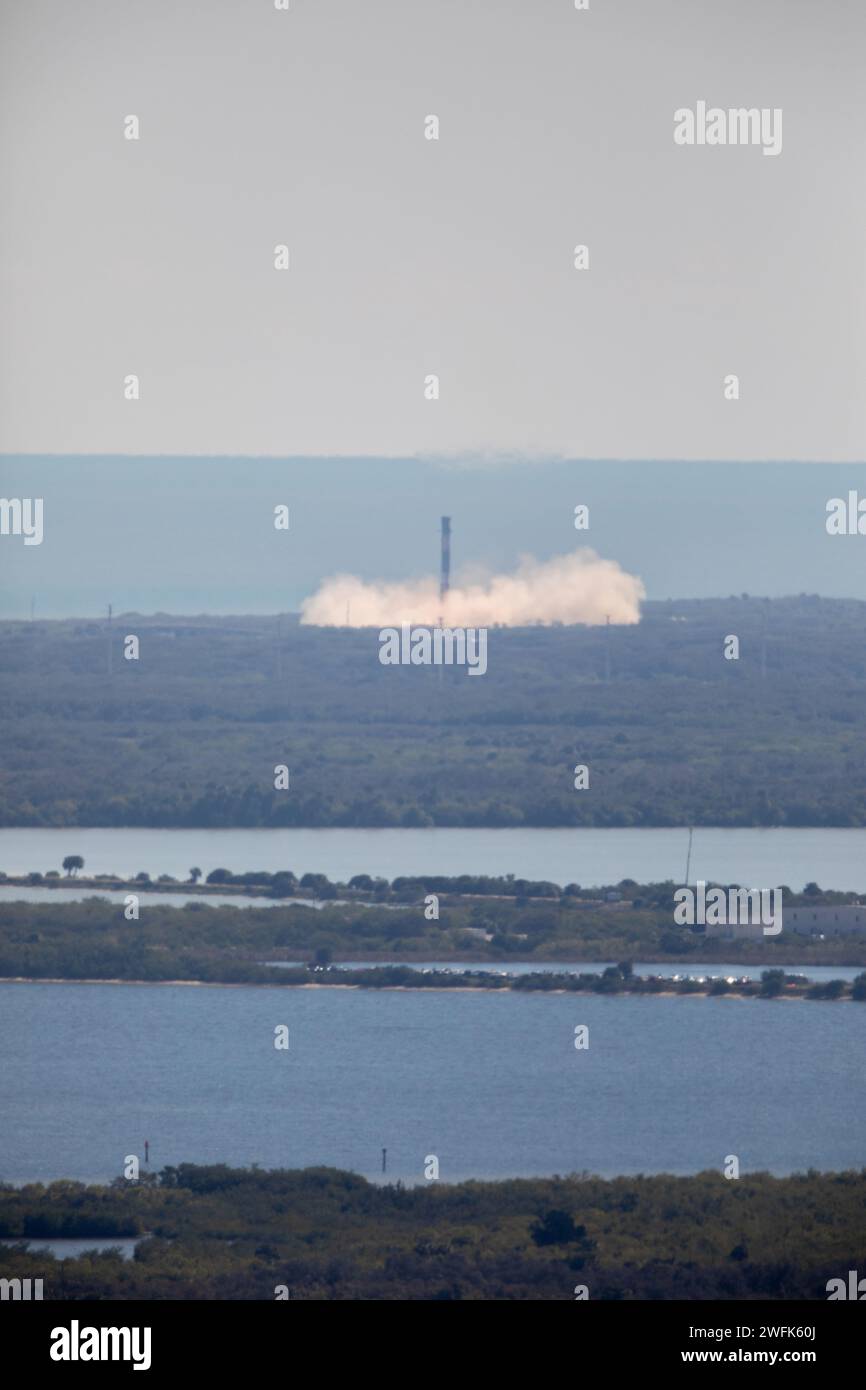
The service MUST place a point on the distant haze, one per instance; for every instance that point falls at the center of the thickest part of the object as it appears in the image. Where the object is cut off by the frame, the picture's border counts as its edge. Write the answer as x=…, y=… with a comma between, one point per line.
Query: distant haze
x=197, y=535
x=411, y=256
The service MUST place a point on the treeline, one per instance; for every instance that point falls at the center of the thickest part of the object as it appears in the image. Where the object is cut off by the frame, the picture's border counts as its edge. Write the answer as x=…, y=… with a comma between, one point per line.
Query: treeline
x=155, y=967
x=322, y=1234
x=94, y=939
x=673, y=734
x=283, y=883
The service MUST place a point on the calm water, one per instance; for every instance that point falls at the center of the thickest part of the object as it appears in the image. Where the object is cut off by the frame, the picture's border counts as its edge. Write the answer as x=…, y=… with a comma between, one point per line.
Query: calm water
x=832, y=858
x=69, y=1248
x=490, y=1083
x=35, y=894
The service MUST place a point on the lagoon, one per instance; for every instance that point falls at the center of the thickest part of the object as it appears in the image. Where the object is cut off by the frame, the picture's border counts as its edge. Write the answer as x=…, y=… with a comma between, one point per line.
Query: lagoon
x=489, y=1082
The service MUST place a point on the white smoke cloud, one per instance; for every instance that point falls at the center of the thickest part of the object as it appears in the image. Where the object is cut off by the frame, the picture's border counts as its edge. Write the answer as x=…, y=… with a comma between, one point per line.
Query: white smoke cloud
x=576, y=588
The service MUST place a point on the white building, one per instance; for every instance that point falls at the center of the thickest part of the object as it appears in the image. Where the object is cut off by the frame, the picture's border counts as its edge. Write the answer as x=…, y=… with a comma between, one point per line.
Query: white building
x=846, y=920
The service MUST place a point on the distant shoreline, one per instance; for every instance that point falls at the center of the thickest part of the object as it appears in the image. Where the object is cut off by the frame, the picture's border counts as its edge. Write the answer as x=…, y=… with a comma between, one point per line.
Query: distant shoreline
x=585, y=940
x=432, y=988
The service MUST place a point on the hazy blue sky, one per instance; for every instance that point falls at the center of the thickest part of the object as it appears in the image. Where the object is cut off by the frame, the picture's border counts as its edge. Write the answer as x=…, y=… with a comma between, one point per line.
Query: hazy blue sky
x=410, y=256
x=197, y=535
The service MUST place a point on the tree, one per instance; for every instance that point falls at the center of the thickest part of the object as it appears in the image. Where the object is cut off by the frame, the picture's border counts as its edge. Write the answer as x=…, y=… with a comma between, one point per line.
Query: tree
x=318, y=884
x=363, y=882
x=72, y=863
x=194, y=875
x=558, y=1228
x=827, y=989
x=772, y=983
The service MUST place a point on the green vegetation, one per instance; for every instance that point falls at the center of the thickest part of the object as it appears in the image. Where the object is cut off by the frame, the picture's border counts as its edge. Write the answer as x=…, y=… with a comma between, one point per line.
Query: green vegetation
x=222, y=1233
x=480, y=920
x=189, y=735
x=93, y=940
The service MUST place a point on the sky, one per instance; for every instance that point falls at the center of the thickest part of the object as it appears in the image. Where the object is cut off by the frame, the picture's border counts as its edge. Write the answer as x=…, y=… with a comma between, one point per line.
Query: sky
x=410, y=257
x=182, y=535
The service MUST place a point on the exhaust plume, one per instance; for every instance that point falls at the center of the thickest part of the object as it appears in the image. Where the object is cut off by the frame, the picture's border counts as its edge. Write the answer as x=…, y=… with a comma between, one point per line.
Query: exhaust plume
x=576, y=588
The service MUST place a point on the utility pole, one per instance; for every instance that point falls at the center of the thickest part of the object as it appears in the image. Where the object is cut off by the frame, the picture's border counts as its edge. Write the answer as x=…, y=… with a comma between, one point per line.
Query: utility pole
x=110, y=653
x=444, y=575
x=689, y=855
x=444, y=560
